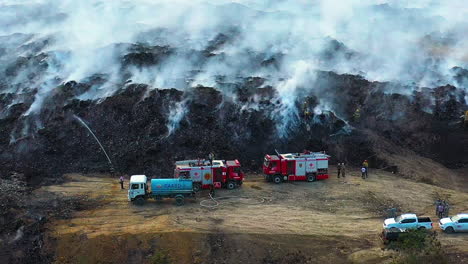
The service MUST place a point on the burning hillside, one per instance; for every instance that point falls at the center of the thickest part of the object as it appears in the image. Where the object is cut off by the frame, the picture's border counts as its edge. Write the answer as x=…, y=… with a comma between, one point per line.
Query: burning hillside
x=160, y=81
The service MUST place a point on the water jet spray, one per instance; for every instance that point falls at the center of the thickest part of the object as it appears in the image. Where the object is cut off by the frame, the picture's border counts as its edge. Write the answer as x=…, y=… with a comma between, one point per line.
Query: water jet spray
x=97, y=140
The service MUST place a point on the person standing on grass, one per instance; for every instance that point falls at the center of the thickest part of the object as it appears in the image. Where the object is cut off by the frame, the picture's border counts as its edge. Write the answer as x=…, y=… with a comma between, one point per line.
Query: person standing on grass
x=365, y=164
x=343, y=170
x=440, y=210
x=446, y=209
x=121, y=181
x=363, y=172
x=437, y=203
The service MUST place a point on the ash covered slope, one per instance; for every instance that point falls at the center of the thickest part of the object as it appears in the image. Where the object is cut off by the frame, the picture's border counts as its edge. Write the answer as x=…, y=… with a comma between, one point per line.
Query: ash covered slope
x=145, y=130
x=175, y=79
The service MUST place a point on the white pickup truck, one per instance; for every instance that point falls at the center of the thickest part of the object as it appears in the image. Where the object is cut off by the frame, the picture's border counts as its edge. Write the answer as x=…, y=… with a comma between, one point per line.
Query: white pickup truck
x=407, y=221
x=458, y=223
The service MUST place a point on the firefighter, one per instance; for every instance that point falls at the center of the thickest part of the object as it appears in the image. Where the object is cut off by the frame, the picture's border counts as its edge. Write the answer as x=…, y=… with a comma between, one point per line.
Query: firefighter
x=305, y=110
x=339, y=169
x=365, y=164
x=121, y=181
x=357, y=114
x=211, y=157
x=212, y=190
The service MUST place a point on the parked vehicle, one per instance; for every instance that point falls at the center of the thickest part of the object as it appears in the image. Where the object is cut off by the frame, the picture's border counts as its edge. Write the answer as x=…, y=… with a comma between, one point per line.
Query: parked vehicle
x=457, y=223
x=407, y=221
x=138, y=191
x=388, y=235
x=310, y=166
x=204, y=173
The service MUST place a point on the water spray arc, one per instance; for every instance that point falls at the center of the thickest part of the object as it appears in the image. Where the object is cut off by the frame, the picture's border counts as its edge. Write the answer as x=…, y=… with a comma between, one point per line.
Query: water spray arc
x=97, y=140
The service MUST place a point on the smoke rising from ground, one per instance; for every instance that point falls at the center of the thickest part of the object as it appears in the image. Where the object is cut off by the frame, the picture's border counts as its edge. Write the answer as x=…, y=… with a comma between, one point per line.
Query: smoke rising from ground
x=180, y=44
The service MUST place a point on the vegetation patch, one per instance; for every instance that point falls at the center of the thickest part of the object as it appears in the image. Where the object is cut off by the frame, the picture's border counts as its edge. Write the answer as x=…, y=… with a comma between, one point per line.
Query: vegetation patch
x=418, y=246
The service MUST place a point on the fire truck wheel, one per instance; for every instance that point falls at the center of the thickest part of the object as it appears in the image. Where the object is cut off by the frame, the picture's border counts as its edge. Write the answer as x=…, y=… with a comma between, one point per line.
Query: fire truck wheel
x=196, y=187
x=311, y=178
x=277, y=179
x=179, y=199
x=139, y=201
x=231, y=185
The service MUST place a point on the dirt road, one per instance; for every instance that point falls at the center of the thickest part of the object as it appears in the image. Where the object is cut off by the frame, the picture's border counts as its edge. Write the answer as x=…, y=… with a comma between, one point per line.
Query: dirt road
x=334, y=221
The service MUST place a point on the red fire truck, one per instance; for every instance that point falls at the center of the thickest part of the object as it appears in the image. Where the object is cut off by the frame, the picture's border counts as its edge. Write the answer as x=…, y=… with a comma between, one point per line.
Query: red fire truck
x=204, y=174
x=310, y=166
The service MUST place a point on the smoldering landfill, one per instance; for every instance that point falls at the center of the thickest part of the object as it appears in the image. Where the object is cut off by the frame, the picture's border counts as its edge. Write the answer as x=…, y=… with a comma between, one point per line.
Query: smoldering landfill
x=159, y=81
x=240, y=77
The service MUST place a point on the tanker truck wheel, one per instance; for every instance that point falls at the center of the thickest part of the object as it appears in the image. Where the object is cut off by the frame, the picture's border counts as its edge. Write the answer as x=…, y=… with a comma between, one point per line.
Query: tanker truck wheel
x=277, y=179
x=139, y=201
x=311, y=177
x=196, y=187
x=179, y=199
x=231, y=185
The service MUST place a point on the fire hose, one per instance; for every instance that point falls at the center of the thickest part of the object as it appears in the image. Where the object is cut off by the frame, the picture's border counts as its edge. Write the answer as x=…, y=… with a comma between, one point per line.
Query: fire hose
x=215, y=202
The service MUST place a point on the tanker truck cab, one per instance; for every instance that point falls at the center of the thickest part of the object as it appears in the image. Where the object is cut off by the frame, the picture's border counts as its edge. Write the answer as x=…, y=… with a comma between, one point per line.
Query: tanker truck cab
x=138, y=187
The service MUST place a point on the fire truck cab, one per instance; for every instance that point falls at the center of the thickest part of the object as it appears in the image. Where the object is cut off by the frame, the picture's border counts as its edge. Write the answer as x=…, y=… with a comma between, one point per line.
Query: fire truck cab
x=204, y=174
x=310, y=166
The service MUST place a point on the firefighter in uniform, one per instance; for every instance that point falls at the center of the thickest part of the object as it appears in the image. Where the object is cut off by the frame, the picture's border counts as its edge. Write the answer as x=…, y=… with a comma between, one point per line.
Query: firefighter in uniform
x=212, y=190
x=365, y=165
x=357, y=114
x=307, y=114
x=211, y=157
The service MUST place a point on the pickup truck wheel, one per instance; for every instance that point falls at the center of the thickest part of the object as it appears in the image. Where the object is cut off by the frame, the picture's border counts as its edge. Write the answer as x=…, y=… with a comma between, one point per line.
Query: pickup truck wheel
x=179, y=199
x=196, y=187
x=139, y=201
x=449, y=230
x=311, y=177
x=277, y=179
x=394, y=229
x=421, y=228
x=231, y=185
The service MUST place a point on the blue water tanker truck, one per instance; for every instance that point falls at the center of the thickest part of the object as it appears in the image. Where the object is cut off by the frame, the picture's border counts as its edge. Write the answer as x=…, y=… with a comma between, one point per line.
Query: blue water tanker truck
x=179, y=189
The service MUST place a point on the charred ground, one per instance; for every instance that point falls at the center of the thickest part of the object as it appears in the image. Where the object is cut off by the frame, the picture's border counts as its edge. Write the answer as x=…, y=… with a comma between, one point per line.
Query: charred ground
x=145, y=130
x=134, y=126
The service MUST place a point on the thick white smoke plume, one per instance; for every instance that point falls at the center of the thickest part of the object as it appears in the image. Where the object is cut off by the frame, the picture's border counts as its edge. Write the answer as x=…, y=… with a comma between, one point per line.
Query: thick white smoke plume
x=414, y=42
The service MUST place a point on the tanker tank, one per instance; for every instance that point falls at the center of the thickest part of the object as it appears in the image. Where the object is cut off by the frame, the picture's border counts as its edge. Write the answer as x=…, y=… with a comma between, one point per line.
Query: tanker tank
x=171, y=186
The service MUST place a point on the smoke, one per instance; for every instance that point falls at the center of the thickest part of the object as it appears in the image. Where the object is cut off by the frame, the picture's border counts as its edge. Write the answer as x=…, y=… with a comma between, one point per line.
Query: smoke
x=185, y=43
x=177, y=112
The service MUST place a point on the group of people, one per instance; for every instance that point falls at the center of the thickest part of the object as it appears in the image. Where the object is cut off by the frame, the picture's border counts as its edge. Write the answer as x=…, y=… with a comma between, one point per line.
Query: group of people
x=342, y=169
x=442, y=208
